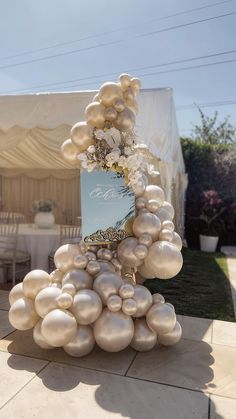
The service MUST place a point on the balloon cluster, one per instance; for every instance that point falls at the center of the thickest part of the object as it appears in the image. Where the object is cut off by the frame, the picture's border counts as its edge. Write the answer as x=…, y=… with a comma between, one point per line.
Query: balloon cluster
x=85, y=300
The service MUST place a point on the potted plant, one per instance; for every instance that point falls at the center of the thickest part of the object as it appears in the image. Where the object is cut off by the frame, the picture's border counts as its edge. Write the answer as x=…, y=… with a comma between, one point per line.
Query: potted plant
x=212, y=207
x=44, y=217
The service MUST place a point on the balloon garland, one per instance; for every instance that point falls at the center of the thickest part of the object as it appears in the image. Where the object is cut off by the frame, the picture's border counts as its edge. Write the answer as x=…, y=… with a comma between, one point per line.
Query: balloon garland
x=90, y=297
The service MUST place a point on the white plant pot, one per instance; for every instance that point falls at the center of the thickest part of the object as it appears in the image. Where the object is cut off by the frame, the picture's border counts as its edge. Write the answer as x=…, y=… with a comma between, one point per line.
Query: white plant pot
x=208, y=243
x=44, y=219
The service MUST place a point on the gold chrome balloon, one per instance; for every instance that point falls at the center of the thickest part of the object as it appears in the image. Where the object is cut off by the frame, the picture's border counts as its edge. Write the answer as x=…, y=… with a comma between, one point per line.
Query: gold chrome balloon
x=114, y=303
x=70, y=152
x=161, y=318
x=65, y=300
x=46, y=300
x=22, y=314
x=34, y=282
x=153, y=192
x=16, y=293
x=125, y=252
x=107, y=284
x=109, y=92
x=95, y=114
x=147, y=223
x=129, y=306
x=164, y=260
x=64, y=256
x=87, y=306
x=81, y=135
x=171, y=338
x=58, y=327
x=143, y=298
x=79, y=278
x=144, y=338
x=38, y=337
x=125, y=120
x=177, y=240
x=113, y=332
x=82, y=343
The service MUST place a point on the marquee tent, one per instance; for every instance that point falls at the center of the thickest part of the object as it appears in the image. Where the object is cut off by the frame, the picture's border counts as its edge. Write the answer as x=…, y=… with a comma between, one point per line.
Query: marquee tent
x=33, y=127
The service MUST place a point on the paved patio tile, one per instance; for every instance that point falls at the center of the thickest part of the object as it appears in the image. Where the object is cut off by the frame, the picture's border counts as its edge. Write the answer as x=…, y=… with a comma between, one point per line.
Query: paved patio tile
x=72, y=392
x=190, y=364
x=195, y=328
x=4, y=302
x=224, y=333
x=16, y=371
x=5, y=326
x=222, y=408
x=231, y=263
x=22, y=343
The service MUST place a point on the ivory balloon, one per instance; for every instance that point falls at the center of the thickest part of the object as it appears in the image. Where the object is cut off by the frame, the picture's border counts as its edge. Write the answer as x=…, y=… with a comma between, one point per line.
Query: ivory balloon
x=177, y=240
x=158, y=298
x=145, y=239
x=144, y=338
x=140, y=202
x=116, y=263
x=119, y=105
x=168, y=225
x=128, y=94
x=129, y=307
x=114, y=303
x=113, y=332
x=79, y=278
x=155, y=193
x=106, y=284
x=64, y=300
x=105, y=266
x=168, y=207
x=64, y=257
x=152, y=205
x=125, y=120
x=80, y=261
x=145, y=272
x=171, y=306
x=69, y=289
x=58, y=327
x=125, y=81
x=141, y=251
x=164, y=260
x=56, y=276
x=136, y=84
x=94, y=113
x=125, y=252
x=163, y=214
x=16, y=293
x=22, y=314
x=109, y=92
x=69, y=152
x=143, y=211
x=87, y=306
x=139, y=188
x=147, y=223
x=82, y=343
x=38, y=337
x=171, y=338
x=107, y=254
x=110, y=114
x=90, y=255
x=93, y=267
x=166, y=235
x=46, y=300
x=81, y=135
x=126, y=291
x=161, y=318
x=34, y=282
x=143, y=298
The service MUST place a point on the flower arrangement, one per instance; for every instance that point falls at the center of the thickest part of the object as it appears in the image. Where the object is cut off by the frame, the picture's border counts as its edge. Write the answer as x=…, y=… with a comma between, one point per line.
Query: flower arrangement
x=212, y=207
x=43, y=206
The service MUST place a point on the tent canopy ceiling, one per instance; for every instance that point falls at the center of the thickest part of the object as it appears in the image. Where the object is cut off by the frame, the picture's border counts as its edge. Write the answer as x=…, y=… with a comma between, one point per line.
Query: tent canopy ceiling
x=33, y=127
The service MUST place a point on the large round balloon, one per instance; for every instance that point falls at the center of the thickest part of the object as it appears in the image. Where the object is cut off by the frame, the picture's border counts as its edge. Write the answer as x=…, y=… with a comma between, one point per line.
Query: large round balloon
x=87, y=306
x=143, y=298
x=79, y=278
x=95, y=114
x=106, y=284
x=125, y=252
x=171, y=338
x=125, y=120
x=147, y=223
x=113, y=332
x=161, y=318
x=145, y=272
x=82, y=343
x=70, y=152
x=81, y=135
x=22, y=314
x=16, y=293
x=64, y=256
x=34, y=282
x=38, y=337
x=46, y=300
x=155, y=193
x=144, y=338
x=58, y=327
x=109, y=92
x=164, y=260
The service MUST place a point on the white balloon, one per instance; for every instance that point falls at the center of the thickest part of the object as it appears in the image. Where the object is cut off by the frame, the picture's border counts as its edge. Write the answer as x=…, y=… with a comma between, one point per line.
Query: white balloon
x=58, y=327
x=64, y=256
x=38, y=337
x=34, y=282
x=22, y=314
x=177, y=240
x=82, y=343
x=16, y=293
x=46, y=300
x=171, y=338
x=161, y=318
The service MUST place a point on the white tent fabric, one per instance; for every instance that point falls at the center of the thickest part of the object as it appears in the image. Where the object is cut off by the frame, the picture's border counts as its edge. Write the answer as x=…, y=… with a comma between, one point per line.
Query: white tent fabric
x=33, y=127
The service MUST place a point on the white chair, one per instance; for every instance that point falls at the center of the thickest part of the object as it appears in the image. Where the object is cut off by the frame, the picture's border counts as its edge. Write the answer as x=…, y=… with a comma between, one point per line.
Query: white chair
x=16, y=218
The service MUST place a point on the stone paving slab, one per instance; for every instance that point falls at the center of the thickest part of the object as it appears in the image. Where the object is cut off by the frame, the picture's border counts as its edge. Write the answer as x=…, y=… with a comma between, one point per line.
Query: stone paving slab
x=194, y=328
x=5, y=326
x=224, y=333
x=222, y=408
x=231, y=263
x=72, y=392
x=4, y=302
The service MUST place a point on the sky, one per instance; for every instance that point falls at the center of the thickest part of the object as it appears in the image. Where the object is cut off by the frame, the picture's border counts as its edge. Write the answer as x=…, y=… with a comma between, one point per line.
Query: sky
x=58, y=45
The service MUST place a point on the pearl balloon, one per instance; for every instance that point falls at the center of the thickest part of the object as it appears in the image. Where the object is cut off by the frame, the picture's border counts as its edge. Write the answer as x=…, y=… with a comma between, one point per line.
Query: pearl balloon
x=34, y=282
x=114, y=303
x=119, y=105
x=128, y=94
x=69, y=289
x=93, y=267
x=171, y=306
x=145, y=239
x=143, y=298
x=79, y=278
x=58, y=327
x=152, y=205
x=126, y=291
x=125, y=120
x=161, y=318
x=136, y=84
x=168, y=225
x=168, y=207
x=164, y=260
x=56, y=276
x=38, y=337
x=56, y=285
x=163, y=215
x=82, y=343
x=147, y=223
x=140, y=202
x=106, y=284
x=141, y=251
x=125, y=81
x=117, y=264
x=171, y=338
x=69, y=152
x=64, y=257
x=158, y=298
x=107, y=254
x=177, y=240
x=139, y=188
x=166, y=235
x=110, y=114
x=81, y=135
x=109, y=92
x=46, y=300
x=145, y=272
x=80, y=261
x=87, y=306
x=144, y=338
x=22, y=314
x=95, y=114
x=143, y=211
x=125, y=252
x=64, y=300
x=153, y=192
x=105, y=266
x=90, y=255
x=129, y=306
x=113, y=332
x=16, y=293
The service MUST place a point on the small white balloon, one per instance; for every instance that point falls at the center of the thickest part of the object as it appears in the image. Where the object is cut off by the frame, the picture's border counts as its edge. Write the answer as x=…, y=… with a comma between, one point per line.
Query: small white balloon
x=69, y=289
x=168, y=225
x=154, y=192
x=141, y=251
x=144, y=338
x=22, y=314
x=79, y=278
x=58, y=327
x=177, y=240
x=34, y=282
x=161, y=318
x=143, y=298
x=158, y=298
x=166, y=235
x=168, y=207
x=46, y=300
x=80, y=261
x=171, y=338
x=126, y=291
x=87, y=306
x=16, y=293
x=65, y=255
x=64, y=300
x=56, y=276
x=114, y=303
x=129, y=306
x=82, y=343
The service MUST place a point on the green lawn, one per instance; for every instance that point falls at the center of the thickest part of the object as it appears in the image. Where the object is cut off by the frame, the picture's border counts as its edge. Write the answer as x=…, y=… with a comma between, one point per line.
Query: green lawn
x=201, y=289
